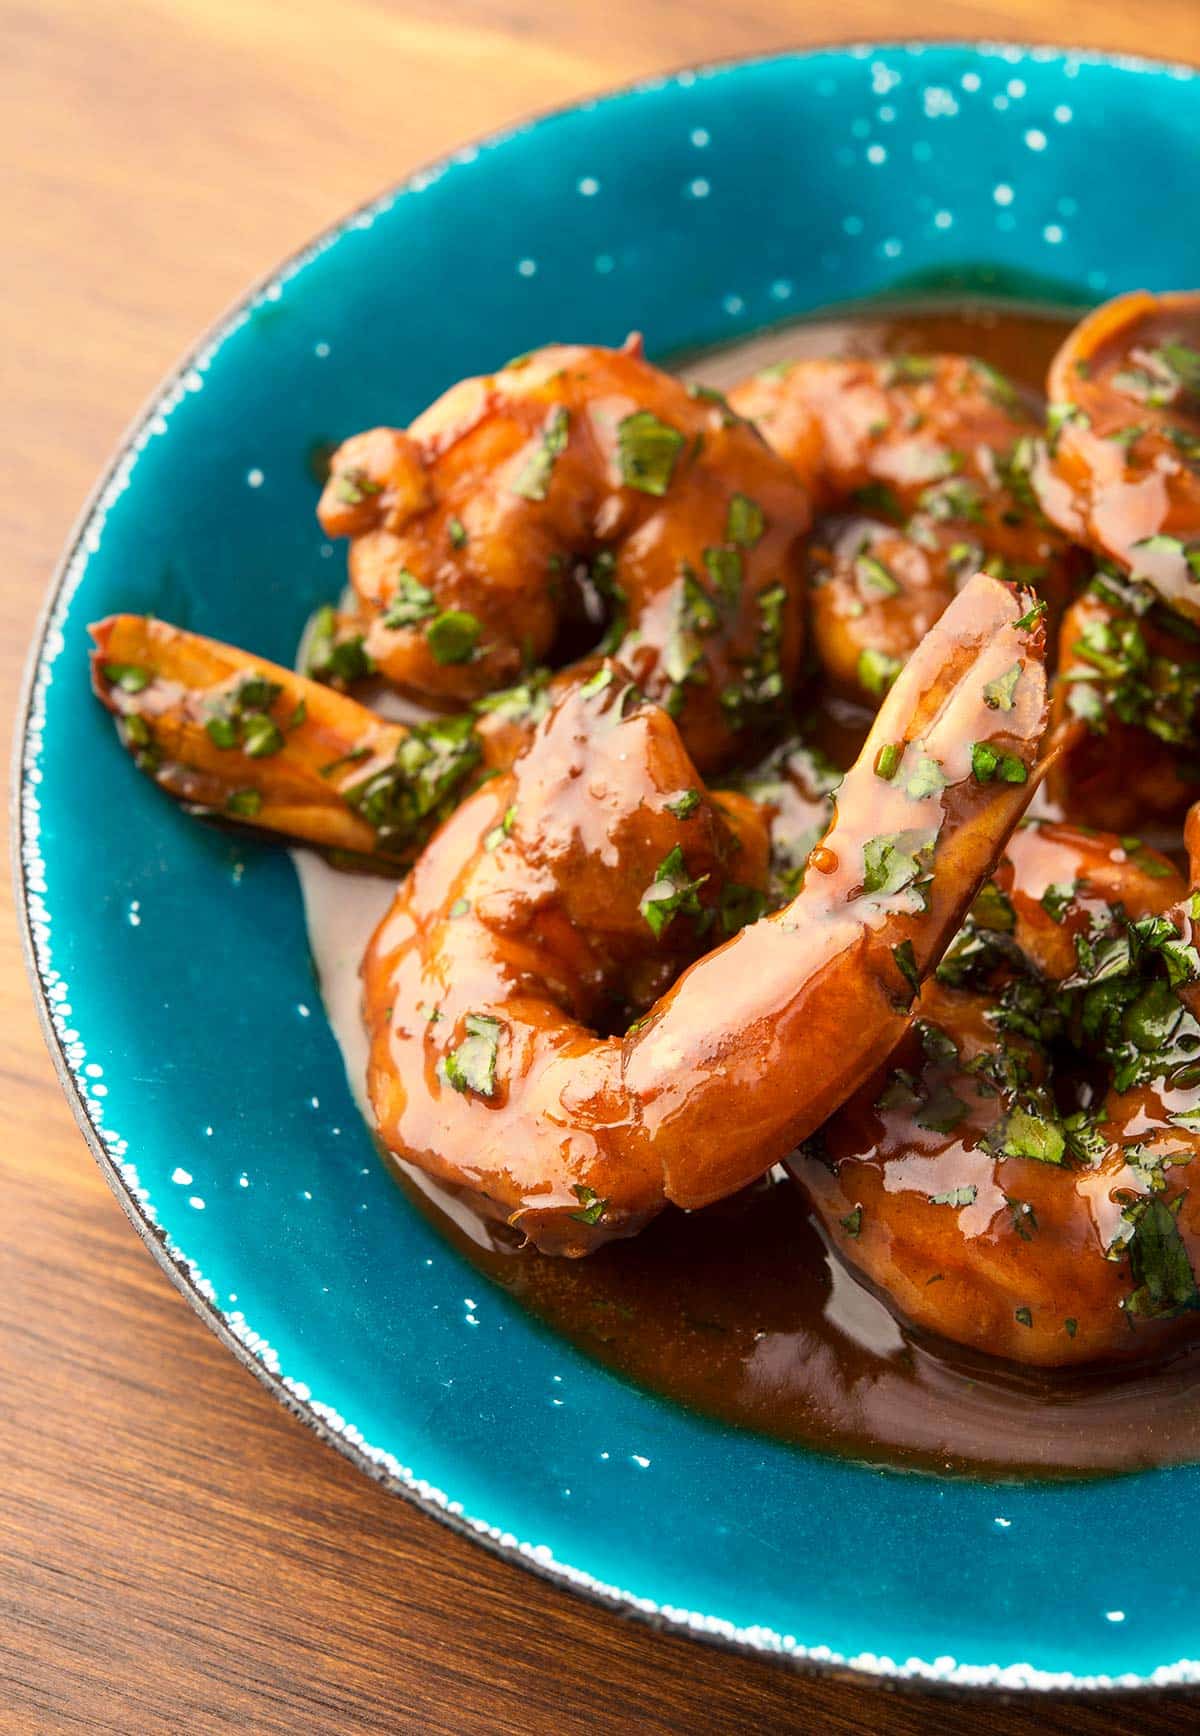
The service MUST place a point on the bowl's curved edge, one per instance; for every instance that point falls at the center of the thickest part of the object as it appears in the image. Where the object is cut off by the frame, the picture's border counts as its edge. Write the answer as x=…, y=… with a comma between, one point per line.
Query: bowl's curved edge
x=944, y=1676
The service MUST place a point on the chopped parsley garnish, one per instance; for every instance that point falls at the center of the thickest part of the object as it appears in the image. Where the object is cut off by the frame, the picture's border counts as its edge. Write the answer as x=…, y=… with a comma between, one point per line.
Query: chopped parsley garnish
x=998, y=694
x=456, y=530
x=472, y=1066
x=1022, y=1133
x=354, y=485
x=992, y=909
x=1164, y=1282
x=888, y=758
x=596, y=683
x=1057, y=417
x=129, y=677
x=420, y=784
x=647, y=450
x=453, y=635
x=1057, y=899
x=695, y=615
x=1030, y=618
x=684, y=806
x=592, y=1207
x=957, y=498
x=942, y=1112
x=999, y=389
x=877, y=670
x=261, y=735
x=533, y=479
x=410, y=602
x=244, y=804
x=955, y=1196
x=906, y=964
x=852, y=1223
x=670, y=894
x=1188, y=552
x=724, y=568
x=1023, y=1316
x=989, y=763
x=746, y=523
x=499, y=832
x=332, y=658
x=925, y=779
x=873, y=575
x=893, y=862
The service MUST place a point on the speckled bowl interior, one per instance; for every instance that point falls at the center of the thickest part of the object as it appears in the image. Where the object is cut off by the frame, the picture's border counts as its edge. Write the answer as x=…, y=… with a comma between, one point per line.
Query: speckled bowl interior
x=172, y=959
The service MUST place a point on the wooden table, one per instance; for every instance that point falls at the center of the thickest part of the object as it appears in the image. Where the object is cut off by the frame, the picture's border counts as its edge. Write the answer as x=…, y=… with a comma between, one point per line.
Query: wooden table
x=176, y=1554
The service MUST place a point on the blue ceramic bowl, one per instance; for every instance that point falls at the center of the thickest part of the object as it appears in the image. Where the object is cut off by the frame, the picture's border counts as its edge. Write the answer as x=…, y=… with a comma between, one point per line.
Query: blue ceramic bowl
x=695, y=208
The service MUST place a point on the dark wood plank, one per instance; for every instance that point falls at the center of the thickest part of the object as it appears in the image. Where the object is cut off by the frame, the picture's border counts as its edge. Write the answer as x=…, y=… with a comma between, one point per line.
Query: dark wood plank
x=175, y=1552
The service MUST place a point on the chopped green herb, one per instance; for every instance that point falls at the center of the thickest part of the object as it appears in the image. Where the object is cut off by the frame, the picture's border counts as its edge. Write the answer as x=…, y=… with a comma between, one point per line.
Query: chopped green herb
x=999, y=389
x=877, y=670
x=646, y=451
x=955, y=1196
x=1164, y=1282
x=998, y=694
x=596, y=683
x=958, y=498
x=1024, y=1316
x=221, y=731
x=353, y=486
x=684, y=806
x=335, y=659
x=671, y=893
x=1025, y=1134
x=993, y=909
x=852, y=1223
x=472, y=1066
x=1057, y=417
x=898, y=860
x=724, y=567
x=1071, y=1326
x=129, y=677
x=925, y=779
x=906, y=963
x=420, y=784
x=498, y=833
x=456, y=530
x=453, y=635
x=410, y=602
x=533, y=479
x=943, y=1112
x=261, y=735
x=873, y=575
x=908, y=370
x=245, y=804
x=460, y=907
x=1030, y=618
x=888, y=758
x=746, y=523
x=988, y=763
x=592, y=1206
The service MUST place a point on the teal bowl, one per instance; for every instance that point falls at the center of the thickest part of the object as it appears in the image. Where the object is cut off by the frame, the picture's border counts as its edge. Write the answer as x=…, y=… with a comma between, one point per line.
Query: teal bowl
x=170, y=961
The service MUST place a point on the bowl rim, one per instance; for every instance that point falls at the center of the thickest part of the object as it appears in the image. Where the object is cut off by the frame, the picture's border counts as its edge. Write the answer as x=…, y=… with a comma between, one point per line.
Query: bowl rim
x=911, y=1676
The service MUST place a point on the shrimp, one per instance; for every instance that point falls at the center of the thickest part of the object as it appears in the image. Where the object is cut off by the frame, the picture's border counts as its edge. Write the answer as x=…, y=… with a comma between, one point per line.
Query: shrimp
x=1121, y=470
x=566, y=894
x=920, y=469
x=1015, y=1179
x=470, y=532
x=233, y=735
x=1132, y=676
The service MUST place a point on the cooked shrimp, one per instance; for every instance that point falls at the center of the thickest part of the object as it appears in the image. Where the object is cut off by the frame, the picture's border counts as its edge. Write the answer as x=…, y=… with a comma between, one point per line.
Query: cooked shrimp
x=235, y=735
x=1132, y=676
x=567, y=892
x=1121, y=471
x=469, y=532
x=1015, y=1178
x=920, y=466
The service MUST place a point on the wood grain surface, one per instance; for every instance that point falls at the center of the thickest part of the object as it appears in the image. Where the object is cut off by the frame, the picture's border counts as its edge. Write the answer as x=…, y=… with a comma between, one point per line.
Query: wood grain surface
x=176, y=1554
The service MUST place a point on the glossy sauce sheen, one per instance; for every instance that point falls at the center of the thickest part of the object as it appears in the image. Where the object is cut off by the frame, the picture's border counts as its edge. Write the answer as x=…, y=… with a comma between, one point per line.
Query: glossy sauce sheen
x=739, y=1311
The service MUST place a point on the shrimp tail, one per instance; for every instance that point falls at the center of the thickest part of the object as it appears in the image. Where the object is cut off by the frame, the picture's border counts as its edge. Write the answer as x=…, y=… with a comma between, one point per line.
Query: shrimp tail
x=243, y=739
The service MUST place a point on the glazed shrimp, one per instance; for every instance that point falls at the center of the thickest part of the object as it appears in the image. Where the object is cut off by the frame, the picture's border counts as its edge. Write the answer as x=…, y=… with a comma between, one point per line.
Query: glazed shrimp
x=565, y=895
x=237, y=736
x=1132, y=676
x=919, y=467
x=1121, y=471
x=1016, y=1179
x=470, y=531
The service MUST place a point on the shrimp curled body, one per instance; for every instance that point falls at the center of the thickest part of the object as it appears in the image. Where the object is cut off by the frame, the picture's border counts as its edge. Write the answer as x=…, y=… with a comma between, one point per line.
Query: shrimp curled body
x=567, y=893
x=919, y=469
x=962, y=1182
x=471, y=535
